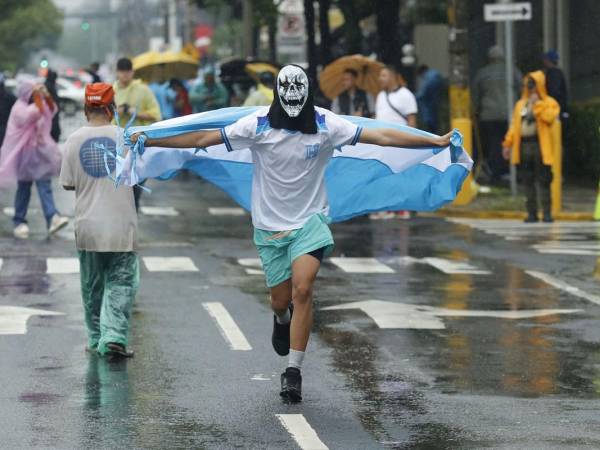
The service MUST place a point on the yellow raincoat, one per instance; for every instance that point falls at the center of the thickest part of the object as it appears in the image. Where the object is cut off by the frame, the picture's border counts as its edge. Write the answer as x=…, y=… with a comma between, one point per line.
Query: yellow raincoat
x=546, y=112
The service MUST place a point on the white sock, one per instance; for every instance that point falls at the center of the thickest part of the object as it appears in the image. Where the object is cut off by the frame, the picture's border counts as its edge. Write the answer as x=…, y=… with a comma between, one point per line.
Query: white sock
x=285, y=318
x=296, y=358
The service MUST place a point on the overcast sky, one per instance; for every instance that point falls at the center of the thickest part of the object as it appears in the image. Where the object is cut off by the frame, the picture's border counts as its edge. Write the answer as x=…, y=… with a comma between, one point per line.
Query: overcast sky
x=69, y=5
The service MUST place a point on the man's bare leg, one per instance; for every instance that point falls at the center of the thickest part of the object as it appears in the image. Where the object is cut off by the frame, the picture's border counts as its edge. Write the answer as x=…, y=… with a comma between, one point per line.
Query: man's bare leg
x=281, y=297
x=304, y=273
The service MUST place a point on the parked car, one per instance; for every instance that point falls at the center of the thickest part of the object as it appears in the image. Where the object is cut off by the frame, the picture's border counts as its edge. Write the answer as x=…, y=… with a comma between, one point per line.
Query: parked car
x=70, y=96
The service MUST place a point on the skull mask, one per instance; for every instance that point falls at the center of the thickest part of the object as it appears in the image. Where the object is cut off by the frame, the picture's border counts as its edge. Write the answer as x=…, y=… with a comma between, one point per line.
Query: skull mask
x=292, y=89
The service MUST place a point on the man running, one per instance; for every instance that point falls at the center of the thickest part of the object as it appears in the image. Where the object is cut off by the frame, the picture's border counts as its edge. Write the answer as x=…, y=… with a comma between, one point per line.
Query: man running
x=291, y=143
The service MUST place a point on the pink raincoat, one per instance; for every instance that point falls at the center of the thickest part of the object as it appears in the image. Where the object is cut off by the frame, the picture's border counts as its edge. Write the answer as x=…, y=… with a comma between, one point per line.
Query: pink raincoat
x=28, y=152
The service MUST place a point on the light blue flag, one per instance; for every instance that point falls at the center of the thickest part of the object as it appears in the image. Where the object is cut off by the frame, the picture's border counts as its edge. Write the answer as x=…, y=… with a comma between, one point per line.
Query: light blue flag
x=360, y=179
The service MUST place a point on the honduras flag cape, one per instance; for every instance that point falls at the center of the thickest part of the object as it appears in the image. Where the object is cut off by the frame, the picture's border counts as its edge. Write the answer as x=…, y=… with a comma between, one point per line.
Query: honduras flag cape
x=360, y=179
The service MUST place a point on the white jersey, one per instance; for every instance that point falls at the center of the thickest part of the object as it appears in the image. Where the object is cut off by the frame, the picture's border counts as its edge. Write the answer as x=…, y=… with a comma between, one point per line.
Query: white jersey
x=401, y=104
x=288, y=185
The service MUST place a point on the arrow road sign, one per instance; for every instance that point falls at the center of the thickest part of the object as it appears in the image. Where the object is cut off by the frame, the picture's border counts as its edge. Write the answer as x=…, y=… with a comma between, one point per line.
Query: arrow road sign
x=13, y=319
x=423, y=317
x=501, y=12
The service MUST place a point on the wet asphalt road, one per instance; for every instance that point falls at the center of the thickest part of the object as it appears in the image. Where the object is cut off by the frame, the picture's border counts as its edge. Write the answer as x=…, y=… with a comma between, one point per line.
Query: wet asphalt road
x=438, y=357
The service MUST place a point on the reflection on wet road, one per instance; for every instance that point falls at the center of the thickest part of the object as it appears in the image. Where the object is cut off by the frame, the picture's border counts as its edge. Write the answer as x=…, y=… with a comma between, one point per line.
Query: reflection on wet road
x=430, y=334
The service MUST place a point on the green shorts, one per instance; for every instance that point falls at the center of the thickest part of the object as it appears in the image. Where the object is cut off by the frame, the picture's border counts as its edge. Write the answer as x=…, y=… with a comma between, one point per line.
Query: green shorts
x=278, y=249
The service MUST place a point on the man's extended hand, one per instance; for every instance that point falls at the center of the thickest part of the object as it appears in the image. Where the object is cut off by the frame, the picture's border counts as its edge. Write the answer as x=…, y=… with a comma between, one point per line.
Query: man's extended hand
x=443, y=141
x=134, y=137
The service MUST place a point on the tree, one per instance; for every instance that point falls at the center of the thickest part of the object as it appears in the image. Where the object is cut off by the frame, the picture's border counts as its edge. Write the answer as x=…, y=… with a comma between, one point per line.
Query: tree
x=354, y=11
x=311, y=47
x=388, y=21
x=27, y=25
x=325, y=56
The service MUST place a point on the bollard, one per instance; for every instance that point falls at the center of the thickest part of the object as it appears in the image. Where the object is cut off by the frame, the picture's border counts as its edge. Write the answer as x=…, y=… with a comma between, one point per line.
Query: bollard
x=556, y=186
x=470, y=187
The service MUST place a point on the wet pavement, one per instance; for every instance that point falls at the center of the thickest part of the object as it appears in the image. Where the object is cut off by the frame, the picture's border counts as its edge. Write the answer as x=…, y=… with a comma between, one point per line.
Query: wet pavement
x=429, y=334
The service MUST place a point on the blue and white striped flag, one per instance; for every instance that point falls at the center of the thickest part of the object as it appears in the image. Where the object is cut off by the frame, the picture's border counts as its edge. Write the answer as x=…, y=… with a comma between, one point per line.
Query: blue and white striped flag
x=360, y=179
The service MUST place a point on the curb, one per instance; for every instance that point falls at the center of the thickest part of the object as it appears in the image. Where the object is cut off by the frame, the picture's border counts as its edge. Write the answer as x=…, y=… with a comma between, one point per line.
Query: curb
x=566, y=216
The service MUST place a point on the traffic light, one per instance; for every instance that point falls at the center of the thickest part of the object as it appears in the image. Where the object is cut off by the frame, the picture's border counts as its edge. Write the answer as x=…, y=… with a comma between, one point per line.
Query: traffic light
x=85, y=26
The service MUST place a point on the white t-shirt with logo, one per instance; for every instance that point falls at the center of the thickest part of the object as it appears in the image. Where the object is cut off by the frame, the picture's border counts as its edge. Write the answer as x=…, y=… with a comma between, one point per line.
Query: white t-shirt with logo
x=105, y=216
x=401, y=99
x=288, y=185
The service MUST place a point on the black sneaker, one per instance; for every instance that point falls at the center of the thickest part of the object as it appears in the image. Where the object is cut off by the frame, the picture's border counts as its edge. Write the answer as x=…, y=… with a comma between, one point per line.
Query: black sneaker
x=531, y=218
x=291, y=385
x=118, y=351
x=281, y=335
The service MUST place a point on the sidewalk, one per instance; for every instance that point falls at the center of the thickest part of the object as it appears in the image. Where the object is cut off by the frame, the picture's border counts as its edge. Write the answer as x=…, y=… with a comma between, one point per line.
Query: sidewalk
x=578, y=203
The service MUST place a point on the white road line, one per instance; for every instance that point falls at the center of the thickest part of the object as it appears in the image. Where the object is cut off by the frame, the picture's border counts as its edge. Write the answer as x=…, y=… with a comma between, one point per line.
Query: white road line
x=159, y=211
x=230, y=331
x=301, y=431
x=566, y=251
x=252, y=266
x=361, y=265
x=587, y=245
x=62, y=265
x=558, y=284
x=13, y=319
x=454, y=267
x=1, y=261
x=226, y=212
x=169, y=264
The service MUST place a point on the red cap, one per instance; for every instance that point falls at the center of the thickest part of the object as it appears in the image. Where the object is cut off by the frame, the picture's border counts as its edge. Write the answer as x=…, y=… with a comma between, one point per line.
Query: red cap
x=99, y=94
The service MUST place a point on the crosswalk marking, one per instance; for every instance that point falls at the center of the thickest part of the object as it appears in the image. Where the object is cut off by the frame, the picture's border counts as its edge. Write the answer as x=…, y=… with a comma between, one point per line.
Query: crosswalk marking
x=454, y=267
x=13, y=319
x=229, y=329
x=558, y=238
x=252, y=266
x=62, y=266
x=221, y=211
x=169, y=264
x=569, y=247
x=304, y=435
x=558, y=284
x=168, y=211
x=361, y=265
x=10, y=211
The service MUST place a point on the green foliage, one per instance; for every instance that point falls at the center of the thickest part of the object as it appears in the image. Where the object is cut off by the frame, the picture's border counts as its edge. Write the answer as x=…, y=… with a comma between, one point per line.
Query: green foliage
x=26, y=25
x=582, y=152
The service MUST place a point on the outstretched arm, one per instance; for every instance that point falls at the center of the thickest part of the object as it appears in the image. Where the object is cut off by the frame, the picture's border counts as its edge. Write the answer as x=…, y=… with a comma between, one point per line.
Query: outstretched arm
x=188, y=140
x=388, y=137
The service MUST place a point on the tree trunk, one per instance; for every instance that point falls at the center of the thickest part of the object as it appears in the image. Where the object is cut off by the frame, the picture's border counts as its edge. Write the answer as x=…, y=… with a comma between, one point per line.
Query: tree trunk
x=325, y=53
x=311, y=47
x=388, y=41
x=352, y=32
x=272, y=40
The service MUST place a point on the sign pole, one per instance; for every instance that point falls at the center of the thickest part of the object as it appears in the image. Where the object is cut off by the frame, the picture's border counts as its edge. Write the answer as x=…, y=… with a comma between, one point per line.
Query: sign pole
x=510, y=91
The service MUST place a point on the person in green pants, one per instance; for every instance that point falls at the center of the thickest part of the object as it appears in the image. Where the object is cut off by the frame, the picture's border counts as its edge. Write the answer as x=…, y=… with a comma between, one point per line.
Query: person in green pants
x=105, y=227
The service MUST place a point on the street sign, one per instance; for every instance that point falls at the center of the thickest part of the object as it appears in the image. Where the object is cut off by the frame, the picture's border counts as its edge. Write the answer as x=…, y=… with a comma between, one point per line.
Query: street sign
x=501, y=12
x=392, y=315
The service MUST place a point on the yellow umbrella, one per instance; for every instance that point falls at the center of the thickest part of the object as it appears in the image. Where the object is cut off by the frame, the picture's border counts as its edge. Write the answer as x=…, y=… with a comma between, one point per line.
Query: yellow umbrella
x=162, y=66
x=368, y=72
x=256, y=68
